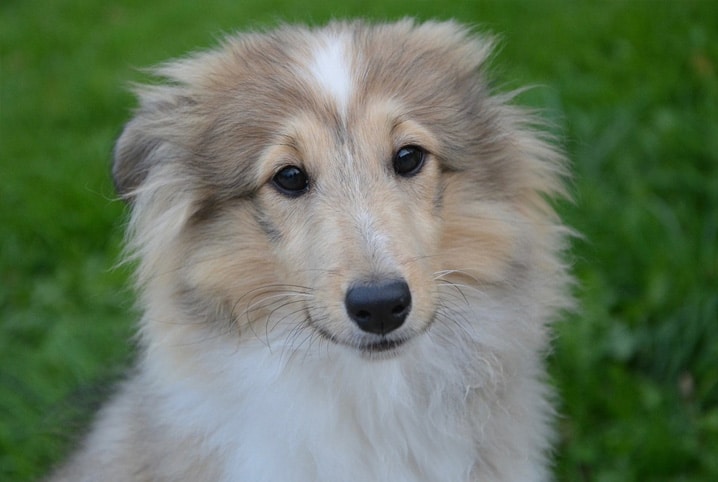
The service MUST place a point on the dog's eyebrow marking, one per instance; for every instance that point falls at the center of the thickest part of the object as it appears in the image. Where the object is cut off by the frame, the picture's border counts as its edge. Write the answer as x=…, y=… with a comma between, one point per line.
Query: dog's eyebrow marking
x=331, y=69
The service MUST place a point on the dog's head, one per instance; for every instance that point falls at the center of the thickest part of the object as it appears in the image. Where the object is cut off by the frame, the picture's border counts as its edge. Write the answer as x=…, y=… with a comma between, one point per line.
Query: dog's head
x=354, y=183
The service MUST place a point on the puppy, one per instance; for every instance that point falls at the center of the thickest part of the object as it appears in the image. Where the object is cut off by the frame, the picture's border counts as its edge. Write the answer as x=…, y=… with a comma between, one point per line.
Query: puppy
x=347, y=265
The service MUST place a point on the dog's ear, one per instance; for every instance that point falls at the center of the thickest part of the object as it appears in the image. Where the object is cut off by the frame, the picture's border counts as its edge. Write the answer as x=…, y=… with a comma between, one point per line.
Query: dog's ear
x=151, y=138
x=135, y=152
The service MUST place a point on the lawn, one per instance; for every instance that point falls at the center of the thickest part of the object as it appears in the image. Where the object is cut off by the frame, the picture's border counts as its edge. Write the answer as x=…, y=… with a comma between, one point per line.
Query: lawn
x=632, y=88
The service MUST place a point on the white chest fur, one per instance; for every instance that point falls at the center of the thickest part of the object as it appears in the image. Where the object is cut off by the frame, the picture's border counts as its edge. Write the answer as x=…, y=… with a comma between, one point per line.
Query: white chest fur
x=328, y=417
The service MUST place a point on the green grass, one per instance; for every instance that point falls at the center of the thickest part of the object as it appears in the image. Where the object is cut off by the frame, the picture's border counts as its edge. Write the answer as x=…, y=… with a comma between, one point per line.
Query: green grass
x=632, y=86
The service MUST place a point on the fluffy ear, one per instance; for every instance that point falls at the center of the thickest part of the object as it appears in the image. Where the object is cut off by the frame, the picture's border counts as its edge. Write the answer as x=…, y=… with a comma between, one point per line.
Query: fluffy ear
x=135, y=153
x=155, y=135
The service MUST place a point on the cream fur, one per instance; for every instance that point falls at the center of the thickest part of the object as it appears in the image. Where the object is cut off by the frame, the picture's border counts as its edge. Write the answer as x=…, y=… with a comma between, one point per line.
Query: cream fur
x=250, y=368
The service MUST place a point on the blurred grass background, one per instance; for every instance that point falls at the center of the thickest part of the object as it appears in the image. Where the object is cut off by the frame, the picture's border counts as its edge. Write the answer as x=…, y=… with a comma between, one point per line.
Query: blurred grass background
x=632, y=87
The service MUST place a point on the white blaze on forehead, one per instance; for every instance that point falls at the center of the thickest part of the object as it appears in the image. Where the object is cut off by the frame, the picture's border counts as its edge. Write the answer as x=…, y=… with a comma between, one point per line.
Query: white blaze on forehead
x=330, y=68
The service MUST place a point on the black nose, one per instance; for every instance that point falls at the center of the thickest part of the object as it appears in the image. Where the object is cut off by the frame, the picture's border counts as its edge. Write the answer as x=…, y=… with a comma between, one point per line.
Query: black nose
x=379, y=307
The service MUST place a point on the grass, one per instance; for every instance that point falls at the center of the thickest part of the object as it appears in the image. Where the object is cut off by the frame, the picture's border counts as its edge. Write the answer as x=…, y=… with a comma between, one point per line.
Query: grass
x=633, y=87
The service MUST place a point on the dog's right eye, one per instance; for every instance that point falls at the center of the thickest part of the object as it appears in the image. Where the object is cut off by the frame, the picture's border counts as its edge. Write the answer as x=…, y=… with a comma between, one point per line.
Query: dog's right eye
x=291, y=181
x=409, y=160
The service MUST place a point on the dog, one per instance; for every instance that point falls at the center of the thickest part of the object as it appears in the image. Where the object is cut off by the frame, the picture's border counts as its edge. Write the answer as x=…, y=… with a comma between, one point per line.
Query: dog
x=347, y=261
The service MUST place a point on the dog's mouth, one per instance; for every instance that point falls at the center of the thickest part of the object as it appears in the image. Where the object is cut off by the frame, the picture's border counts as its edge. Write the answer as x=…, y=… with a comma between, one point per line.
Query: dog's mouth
x=373, y=346
x=381, y=346
x=377, y=349
x=368, y=346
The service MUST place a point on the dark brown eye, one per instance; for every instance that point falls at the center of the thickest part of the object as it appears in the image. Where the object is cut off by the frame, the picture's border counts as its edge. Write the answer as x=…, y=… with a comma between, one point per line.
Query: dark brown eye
x=409, y=160
x=291, y=181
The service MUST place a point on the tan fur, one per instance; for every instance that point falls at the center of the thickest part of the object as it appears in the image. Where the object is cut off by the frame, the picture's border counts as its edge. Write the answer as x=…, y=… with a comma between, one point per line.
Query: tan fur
x=225, y=261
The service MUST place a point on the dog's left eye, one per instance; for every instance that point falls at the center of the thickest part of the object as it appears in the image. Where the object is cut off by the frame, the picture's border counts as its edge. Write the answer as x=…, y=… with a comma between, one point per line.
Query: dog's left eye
x=291, y=181
x=409, y=160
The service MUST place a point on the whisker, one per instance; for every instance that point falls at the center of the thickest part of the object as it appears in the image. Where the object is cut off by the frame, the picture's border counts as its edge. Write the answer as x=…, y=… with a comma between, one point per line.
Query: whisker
x=456, y=318
x=440, y=275
x=456, y=292
x=267, y=302
x=267, y=328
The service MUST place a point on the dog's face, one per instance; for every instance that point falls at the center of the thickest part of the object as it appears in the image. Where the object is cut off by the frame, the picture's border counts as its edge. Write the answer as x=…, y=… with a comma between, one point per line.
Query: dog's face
x=344, y=183
x=352, y=208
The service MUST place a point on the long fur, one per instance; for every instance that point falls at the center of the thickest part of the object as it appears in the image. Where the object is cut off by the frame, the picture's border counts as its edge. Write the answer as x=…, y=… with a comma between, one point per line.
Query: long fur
x=250, y=368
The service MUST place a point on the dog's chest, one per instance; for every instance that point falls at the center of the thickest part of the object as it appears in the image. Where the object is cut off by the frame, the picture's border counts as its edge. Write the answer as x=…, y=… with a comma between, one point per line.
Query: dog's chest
x=334, y=422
